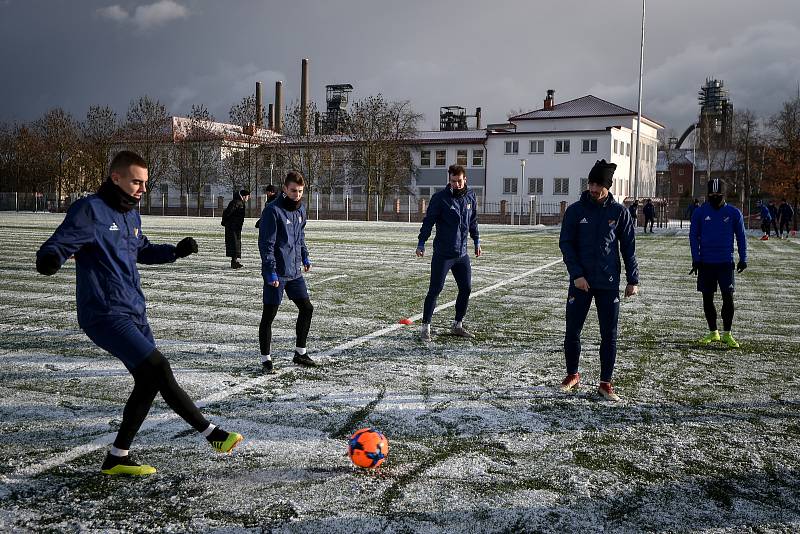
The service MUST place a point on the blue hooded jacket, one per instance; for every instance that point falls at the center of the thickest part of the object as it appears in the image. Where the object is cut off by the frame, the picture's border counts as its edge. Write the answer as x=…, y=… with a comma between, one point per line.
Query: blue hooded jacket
x=711, y=234
x=106, y=244
x=593, y=236
x=455, y=218
x=282, y=241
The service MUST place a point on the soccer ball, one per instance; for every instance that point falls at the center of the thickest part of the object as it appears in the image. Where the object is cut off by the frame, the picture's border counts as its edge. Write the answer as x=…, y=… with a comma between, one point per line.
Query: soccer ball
x=367, y=448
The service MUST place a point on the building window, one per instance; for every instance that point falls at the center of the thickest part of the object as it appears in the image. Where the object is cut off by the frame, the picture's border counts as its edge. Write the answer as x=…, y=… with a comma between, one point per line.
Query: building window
x=589, y=145
x=423, y=192
x=424, y=158
x=628, y=149
x=512, y=147
x=562, y=146
x=616, y=144
x=561, y=186
x=164, y=189
x=461, y=157
x=509, y=186
x=680, y=189
x=477, y=157
x=537, y=146
x=535, y=186
x=441, y=158
x=680, y=172
x=584, y=184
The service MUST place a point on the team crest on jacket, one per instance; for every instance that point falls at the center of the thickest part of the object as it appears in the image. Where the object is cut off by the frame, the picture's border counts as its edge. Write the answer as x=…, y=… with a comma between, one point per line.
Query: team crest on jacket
x=584, y=221
x=135, y=232
x=469, y=206
x=114, y=227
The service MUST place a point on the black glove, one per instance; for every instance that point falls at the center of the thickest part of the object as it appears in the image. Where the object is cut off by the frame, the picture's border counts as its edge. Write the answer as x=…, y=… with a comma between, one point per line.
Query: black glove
x=741, y=266
x=48, y=264
x=695, y=266
x=185, y=246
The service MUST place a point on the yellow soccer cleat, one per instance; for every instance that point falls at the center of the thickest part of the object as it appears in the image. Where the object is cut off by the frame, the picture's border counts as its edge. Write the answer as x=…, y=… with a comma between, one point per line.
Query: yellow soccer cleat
x=727, y=338
x=125, y=466
x=227, y=445
x=710, y=337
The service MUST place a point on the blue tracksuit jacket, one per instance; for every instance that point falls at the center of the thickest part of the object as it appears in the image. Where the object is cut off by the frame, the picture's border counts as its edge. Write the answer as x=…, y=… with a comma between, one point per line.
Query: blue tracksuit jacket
x=711, y=234
x=106, y=244
x=766, y=215
x=593, y=236
x=282, y=241
x=455, y=219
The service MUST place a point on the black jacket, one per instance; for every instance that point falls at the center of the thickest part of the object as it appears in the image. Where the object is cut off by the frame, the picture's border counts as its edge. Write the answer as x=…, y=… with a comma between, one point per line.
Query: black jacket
x=233, y=216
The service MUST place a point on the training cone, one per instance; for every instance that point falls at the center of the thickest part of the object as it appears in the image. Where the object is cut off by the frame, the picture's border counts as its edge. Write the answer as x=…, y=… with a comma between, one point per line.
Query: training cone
x=406, y=320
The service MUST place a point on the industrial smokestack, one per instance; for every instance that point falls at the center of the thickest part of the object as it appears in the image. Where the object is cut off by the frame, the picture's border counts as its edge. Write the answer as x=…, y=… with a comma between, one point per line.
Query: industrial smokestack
x=304, y=98
x=271, y=117
x=477, y=118
x=259, y=107
x=278, y=126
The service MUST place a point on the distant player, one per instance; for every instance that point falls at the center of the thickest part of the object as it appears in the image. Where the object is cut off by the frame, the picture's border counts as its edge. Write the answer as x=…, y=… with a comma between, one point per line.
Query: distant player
x=785, y=215
x=766, y=219
x=773, y=213
x=453, y=212
x=284, y=258
x=649, y=211
x=233, y=220
x=596, y=229
x=104, y=233
x=714, y=225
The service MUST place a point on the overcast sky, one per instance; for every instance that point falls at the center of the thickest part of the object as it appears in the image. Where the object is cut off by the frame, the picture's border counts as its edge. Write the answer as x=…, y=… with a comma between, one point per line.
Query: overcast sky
x=500, y=55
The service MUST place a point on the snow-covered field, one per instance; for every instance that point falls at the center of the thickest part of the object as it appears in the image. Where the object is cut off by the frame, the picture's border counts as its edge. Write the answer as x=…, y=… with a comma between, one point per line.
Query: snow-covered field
x=481, y=440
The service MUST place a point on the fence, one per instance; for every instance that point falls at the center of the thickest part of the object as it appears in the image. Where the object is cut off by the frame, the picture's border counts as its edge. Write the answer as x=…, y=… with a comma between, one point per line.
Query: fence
x=516, y=210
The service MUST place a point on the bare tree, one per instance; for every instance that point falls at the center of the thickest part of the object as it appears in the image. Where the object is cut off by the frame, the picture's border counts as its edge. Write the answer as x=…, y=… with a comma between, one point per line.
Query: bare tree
x=203, y=148
x=383, y=133
x=748, y=141
x=148, y=131
x=244, y=169
x=784, y=153
x=59, y=134
x=100, y=130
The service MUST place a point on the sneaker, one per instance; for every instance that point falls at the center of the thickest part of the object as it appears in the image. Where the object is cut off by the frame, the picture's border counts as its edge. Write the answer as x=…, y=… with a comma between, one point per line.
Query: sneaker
x=304, y=360
x=425, y=333
x=570, y=383
x=708, y=338
x=124, y=465
x=267, y=368
x=606, y=390
x=764, y=238
x=235, y=264
x=460, y=331
x=224, y=441
x=727, y=338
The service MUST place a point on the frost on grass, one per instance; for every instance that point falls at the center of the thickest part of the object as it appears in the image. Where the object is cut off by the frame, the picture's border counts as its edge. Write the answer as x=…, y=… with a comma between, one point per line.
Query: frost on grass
x=480, y=438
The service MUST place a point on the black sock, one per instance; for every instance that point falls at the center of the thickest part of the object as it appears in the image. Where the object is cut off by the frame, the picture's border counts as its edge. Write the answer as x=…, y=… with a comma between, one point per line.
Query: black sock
x=727, y=311
x=710, y=310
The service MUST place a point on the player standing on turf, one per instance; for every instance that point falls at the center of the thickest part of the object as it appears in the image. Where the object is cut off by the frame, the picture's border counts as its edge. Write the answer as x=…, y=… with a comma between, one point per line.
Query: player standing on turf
x=596, y=229
x=453, y=211
x=711, y=233
x=282, y=243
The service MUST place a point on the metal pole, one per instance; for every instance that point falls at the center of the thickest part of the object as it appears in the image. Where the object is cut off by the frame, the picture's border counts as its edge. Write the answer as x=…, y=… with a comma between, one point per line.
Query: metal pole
x=317, y=195
x=694, y=157
x=376, y=207
x=16, y=201
x=639, y=113
x=163, y=203
x=409, y=208
x=347, y=208
x=187, y=204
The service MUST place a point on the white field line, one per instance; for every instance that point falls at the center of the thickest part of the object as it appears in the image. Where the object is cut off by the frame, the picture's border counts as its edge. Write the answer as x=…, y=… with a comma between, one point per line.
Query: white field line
x=330, y=278
x=104, y=440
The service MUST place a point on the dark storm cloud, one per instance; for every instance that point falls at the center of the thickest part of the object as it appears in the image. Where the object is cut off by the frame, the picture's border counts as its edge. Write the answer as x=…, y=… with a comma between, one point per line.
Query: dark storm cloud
x=501, y=56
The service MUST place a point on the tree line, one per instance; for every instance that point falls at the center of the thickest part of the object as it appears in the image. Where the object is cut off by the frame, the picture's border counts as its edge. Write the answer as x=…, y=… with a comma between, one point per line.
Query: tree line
x=763, y=153
x=63, y=156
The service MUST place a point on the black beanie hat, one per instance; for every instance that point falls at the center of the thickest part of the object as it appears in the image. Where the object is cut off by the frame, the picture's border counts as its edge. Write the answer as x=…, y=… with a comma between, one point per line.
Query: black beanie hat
x=244, y=193
x=716, y=186
x=602, y=173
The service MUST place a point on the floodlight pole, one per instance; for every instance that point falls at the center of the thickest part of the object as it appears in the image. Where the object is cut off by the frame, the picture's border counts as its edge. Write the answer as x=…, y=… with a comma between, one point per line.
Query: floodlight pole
x=639, y=113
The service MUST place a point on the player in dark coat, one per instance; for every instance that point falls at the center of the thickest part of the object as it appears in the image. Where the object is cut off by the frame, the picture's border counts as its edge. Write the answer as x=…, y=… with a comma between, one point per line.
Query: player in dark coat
x=233, y=220
x=595, y=231
x=649, y=211
x=104, y=234
x=785, y=215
